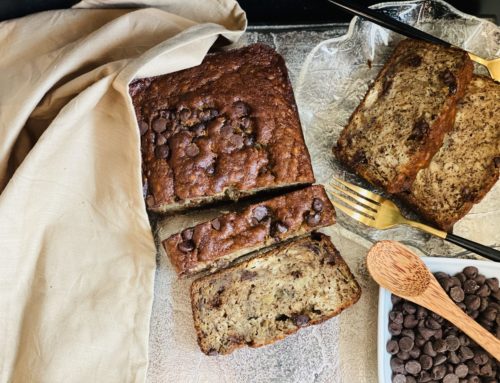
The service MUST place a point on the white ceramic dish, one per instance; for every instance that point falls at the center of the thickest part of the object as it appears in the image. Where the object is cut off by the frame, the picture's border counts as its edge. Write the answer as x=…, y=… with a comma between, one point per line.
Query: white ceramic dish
x=447, y=265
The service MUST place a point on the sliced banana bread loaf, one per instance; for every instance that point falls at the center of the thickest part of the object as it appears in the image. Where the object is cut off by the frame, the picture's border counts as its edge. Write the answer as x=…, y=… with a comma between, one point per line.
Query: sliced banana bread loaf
x=264, y=299
x=467, y=165
x=404, y=116
x=224, y=129
x=213, y=244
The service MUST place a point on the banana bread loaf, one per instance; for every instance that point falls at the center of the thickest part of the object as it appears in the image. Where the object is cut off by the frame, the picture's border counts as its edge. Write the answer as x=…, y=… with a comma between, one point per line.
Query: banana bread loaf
x=213, y=244
x=467, y=165
x=224, y=129
x=402, y=120
x=262, y=300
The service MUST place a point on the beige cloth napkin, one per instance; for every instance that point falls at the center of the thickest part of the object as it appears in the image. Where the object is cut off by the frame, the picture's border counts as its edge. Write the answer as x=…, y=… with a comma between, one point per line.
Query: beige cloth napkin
x=77, y=257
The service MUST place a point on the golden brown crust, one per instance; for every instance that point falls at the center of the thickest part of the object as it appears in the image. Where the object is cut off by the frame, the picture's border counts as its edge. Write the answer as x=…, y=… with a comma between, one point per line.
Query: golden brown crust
x=351, y=291
x=392, y=104
x=226, y=128
x=217, y=242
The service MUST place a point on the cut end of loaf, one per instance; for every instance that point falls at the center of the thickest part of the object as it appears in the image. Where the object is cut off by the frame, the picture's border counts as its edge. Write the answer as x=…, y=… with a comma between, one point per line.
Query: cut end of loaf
x=264, y=299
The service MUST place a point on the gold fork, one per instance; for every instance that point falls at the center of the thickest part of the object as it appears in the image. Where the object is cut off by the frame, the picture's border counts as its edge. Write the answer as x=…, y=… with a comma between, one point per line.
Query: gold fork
x=378, y=212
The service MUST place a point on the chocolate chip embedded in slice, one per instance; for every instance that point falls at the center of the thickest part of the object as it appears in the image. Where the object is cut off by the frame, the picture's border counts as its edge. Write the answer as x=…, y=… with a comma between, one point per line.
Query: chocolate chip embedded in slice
x=192, y=150
x=186, y=246
x=300, y=320
x=187, y=234
x=216, y=224
x=247, y=275
x=161, y=139
x=150, y=201
x=449, y=79
x=143, y=127
x=317, y=205
x=420, y=130
x=260, y=212
x=184, y=115
x=278, y=228
x=312, y=219
x=162, y=152
x=160, y=125
x=249, y=140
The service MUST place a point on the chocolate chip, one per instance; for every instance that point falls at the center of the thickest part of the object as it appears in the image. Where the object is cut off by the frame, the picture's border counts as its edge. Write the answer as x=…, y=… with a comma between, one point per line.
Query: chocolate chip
x=457, y=294
x=410, y=321
x=160, y=125
x=240, y=109
x=160, y=139
x=403, y=355
x=162, y=152
x=496, y=161
x=143, y=127
x=312, y=219
x=471, y=272
x=282, y=318
x=392, y=347
x=260, y=212
x=424, y=377
x=439, y=359
x=395, y=328
x=406, y=344
x=420, y=130
x=397, y=365
x=461, y=370
x=438, y=372
x=452, y=343
x=300, y=320
x=297, y=274
x=192, y=150
x=470, y=286
x=186, y=246
x=413, y=367
x=440, y=345
x=245, y=123
x=359, y=157
x=414, y=352
x=278, y=228
x=184, y=115
x=317, y=205
x=449, y=79
x=386, y=85
x=187, y=234
x=249, y=140
x=429, y=350
x=399, y=378
x=453, y=357
x=414, y=60
x=198, y=129
x=432, y=324
x=450, y=378
x=492, y=283
x=465, y=353
x=426, y=362
x=483, y=291
x=212, y=352
x=472, y=302
x=247, y=275
x=216, y=224
x=210, y=169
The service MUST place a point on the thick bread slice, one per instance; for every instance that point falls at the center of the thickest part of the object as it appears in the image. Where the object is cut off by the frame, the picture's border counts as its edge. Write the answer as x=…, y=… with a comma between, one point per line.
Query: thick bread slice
x=213, y=244
x=404, y=116
x=264, y=299
x=467, y=165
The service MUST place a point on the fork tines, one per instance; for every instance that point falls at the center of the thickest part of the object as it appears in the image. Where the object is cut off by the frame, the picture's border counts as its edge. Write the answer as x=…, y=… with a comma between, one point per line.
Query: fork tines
x=356, y=202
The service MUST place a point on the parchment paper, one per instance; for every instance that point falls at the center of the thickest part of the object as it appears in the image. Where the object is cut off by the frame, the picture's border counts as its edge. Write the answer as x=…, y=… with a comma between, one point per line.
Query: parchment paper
x=77, y=256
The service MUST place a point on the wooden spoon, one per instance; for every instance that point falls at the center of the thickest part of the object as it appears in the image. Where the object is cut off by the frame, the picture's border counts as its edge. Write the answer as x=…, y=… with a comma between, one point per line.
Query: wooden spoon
x=397, y=269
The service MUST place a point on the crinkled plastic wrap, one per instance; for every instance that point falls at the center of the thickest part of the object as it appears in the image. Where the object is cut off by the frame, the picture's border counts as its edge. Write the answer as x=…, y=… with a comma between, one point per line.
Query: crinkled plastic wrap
x=336, y=76
x=328, y=84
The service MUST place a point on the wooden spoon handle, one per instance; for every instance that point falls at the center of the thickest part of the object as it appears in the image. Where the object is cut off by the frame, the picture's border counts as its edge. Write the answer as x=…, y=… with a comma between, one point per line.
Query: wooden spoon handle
x=436, y=300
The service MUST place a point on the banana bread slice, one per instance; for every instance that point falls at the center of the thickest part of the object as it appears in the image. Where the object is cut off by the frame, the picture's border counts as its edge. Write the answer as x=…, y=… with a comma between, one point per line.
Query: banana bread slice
x=404, y=116
x=262, y=300
x=214, y=244
x=467, y=165
x=224, y=129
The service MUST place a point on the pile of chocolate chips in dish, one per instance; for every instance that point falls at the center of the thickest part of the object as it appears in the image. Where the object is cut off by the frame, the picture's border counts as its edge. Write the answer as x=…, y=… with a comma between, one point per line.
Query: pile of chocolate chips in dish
x=427, y=348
